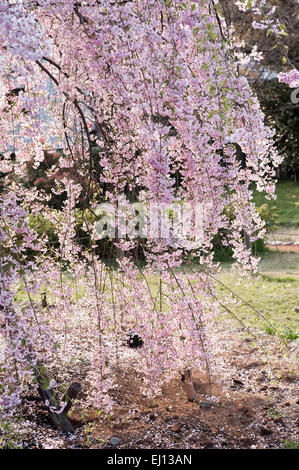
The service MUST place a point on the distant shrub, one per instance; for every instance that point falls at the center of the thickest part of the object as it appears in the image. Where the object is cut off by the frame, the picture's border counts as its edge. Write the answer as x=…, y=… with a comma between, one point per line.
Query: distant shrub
x=268, y=213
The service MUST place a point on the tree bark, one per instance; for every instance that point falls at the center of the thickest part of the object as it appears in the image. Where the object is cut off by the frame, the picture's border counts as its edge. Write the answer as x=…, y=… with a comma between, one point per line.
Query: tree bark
x=49, y=396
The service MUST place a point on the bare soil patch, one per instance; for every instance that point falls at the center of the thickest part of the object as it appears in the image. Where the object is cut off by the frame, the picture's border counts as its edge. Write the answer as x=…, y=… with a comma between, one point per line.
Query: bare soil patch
x=248, y=409
x=285, y=248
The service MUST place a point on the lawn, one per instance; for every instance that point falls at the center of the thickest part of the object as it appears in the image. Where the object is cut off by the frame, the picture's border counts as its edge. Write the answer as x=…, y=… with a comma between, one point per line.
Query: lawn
x=286, y=205
x=275, y=294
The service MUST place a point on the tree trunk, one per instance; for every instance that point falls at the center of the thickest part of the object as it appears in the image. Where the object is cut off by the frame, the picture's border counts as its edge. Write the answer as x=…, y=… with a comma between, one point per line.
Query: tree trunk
x=248, y=243
x=48, y=395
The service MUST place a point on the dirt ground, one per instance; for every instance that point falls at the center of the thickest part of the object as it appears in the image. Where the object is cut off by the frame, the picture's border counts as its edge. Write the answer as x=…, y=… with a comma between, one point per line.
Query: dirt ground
x=286, y=248
x=248, y=409
x=284, y=234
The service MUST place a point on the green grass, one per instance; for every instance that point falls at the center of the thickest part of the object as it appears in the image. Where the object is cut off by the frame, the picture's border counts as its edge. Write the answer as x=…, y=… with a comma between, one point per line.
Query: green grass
x=291, y=444
x=274, y=300
x=274, y=294
x=274, y=262
x=286, y=205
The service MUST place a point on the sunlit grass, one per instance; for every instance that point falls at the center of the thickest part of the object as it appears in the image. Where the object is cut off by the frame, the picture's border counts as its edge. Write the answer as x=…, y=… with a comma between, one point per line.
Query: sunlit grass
x=275, y=294
x=286, y=205
x=274, y=297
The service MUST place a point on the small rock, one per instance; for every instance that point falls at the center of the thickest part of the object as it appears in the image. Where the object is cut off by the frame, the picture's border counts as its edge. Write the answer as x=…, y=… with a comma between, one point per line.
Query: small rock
x=205, y=404
x=169, y=408
x=175, y=428
x=238, y=381
x=279, y=420
x=139, y=441
x=114, y=441
x=206, y=444
x=296, y=309
x=244, y=409
x=265, y=431
x=247, y=441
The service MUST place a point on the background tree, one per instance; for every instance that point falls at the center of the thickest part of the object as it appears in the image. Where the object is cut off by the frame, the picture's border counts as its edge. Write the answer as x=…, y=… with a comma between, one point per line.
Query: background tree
x=266, y=58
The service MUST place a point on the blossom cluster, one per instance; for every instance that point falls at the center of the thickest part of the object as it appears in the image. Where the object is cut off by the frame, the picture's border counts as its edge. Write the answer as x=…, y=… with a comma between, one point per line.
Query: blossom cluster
x=291, y=78
x=141, y=98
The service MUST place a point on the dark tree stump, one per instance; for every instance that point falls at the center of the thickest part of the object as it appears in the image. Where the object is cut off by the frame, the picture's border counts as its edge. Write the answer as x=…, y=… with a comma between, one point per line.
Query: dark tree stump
x=44, y=300
x=49, y=397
